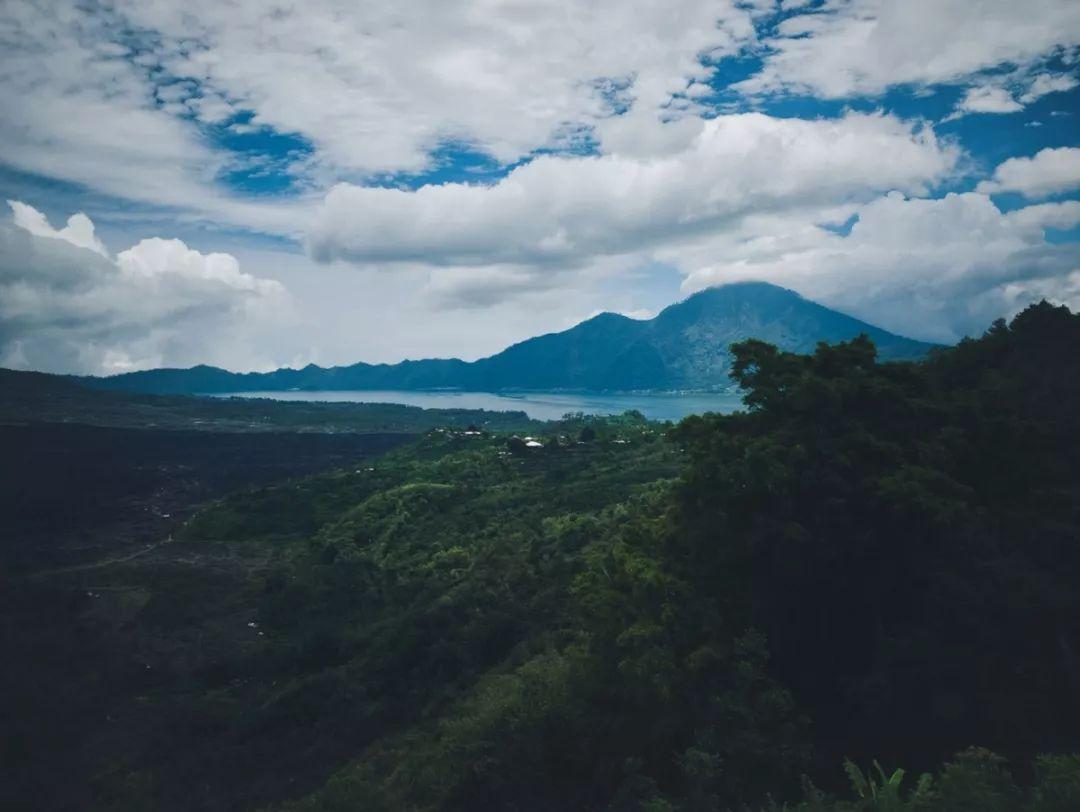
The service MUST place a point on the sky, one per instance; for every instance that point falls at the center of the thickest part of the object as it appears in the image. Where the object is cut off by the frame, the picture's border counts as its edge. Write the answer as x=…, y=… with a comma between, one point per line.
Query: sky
x=264, y=184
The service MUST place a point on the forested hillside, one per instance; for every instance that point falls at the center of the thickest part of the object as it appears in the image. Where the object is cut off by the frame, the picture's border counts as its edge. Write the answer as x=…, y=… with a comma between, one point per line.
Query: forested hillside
x=873, y=561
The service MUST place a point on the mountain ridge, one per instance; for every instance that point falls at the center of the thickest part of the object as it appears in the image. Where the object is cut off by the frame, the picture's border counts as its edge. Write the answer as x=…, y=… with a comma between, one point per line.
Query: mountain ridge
x=684, y=347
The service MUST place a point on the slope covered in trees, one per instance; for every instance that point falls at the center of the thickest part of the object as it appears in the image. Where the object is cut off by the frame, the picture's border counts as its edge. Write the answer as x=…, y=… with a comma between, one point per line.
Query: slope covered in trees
x=873, y=561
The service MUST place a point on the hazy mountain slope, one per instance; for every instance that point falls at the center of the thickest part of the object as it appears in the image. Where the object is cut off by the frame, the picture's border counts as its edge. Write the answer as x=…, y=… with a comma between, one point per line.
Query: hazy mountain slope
x=688, y=335
x=578, y=358
x=684, y=347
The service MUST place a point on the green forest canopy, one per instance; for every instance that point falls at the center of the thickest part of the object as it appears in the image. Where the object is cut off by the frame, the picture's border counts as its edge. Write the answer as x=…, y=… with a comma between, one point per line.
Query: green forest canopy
x=873, y=561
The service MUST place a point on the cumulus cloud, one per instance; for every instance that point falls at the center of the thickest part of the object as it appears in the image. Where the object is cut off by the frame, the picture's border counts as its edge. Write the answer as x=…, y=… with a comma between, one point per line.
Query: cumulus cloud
x=1047, y=83
x=863, y=47
x=988, y=99
x=65, y=306
x=558, y=212
x=79, y=230
x=1011, y=93
x=156, y=258
x=1063, y=215
x=932, y=268
x=1049, y=172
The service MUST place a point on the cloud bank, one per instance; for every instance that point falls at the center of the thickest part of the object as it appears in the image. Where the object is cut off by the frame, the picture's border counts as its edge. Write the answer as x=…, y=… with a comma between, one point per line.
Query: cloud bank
x=66, y=306
x=1048, y=172
x=938, y=269
x=748, y=197
x=557, y=213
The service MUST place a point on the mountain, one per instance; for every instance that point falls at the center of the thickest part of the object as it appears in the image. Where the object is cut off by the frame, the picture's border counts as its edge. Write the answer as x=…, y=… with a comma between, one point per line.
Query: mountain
x=684, y=347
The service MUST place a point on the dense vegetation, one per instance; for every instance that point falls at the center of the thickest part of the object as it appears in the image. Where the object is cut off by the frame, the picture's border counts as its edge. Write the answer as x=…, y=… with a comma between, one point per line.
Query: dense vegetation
x=100, y=601
x=875, y=561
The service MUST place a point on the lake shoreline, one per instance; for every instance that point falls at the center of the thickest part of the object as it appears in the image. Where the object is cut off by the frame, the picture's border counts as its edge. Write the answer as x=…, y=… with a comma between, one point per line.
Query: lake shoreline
x=539, y=405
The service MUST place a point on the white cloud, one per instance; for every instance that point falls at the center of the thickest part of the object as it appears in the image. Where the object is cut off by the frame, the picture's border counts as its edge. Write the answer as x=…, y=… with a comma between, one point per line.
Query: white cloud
x=562, y=212
x=79, y=230
x=1050, y=171
x=1062, y=215
x=863, y=47
x=1047, y=83
x=65, y=306
x=376, y=87
x=1011, y=92
x=78, y=108
x=112, y=96
x=936, y=269
x=988, y=99
x=156, y=258
x=348, y=313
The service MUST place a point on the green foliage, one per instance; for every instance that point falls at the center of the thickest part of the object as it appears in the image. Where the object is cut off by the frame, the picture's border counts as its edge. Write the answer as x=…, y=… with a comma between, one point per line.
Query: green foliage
x=1058, y=783
x=873, y=559
x=925, y=510
x=977, y=779
x=435, y=607
x=814, y=558
x=883, y=792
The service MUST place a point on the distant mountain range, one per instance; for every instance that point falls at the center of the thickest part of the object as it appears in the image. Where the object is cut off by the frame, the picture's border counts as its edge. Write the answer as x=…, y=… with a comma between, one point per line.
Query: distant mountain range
x=684, y=347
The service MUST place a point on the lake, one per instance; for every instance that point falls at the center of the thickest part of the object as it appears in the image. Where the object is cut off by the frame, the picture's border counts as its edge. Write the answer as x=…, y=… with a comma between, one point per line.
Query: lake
x=537, y=405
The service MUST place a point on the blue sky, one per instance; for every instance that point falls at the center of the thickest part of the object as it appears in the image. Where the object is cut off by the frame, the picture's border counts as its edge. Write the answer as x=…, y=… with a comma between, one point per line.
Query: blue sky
x=261, y=187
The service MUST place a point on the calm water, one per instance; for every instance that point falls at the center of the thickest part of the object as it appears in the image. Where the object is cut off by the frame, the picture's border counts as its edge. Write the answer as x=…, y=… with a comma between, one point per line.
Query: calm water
x=538, y=405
